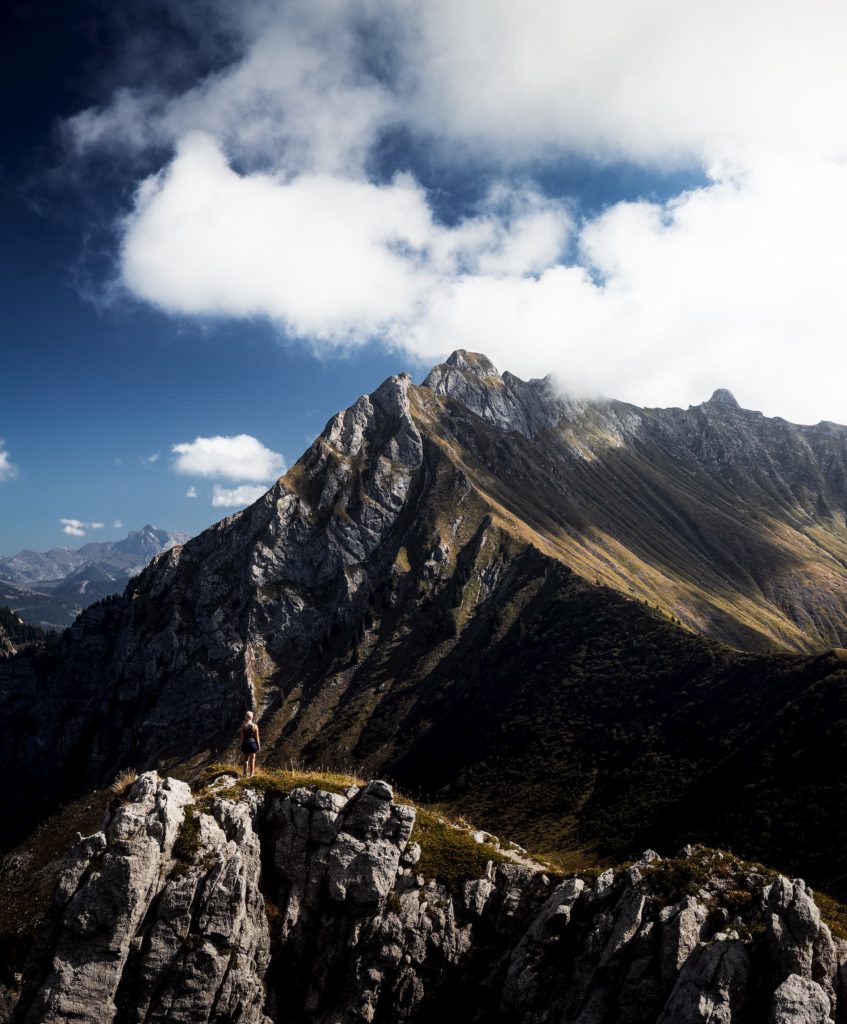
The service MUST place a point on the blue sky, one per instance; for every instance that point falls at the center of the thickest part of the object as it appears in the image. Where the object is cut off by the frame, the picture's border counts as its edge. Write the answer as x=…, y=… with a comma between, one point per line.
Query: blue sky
x=89, y=392
x=224, y=221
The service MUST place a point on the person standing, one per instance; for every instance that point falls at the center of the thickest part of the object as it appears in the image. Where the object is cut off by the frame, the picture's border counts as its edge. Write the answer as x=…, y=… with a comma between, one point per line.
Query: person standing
x=250, y=744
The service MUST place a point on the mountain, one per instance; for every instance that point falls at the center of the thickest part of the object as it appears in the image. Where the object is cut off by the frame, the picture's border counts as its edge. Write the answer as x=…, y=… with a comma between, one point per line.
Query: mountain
x=51, y=588
x=119, y=559
x=478, y=586
x=288, y=902
x=730, y=521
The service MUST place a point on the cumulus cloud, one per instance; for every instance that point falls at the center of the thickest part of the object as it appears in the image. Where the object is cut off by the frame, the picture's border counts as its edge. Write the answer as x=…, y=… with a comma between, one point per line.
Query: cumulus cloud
x=653, y=81
x=191, y=492
x=236, y=497
x=117, y=524
x=309, y=86
x=77, y=528
x=238, y=458
x=661, y=303
x=8, y=470
x=331, y=258
x=271, y=205
x=151, y=460
x=669, y=301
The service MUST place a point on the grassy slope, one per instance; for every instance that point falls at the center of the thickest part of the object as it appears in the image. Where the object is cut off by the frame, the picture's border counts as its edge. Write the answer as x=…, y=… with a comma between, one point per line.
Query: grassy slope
x=732, y=558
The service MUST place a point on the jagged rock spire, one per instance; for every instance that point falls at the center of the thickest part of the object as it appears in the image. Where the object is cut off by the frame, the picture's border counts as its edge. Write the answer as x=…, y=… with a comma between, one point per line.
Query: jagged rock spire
x=472, y=362
x=725, y=398
x=470, y=378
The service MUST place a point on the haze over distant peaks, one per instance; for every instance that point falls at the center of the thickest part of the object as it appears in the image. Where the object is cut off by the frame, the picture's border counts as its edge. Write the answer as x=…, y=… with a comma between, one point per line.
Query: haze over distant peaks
x=126, y=556
x=50, y=588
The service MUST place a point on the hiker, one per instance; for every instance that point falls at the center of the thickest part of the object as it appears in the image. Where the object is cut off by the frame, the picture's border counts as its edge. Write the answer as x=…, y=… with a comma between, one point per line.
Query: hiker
x=250, y=744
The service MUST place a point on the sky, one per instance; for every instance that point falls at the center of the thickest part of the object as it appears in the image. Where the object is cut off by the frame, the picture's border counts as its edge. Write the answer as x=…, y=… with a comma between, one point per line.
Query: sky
x=220, y=223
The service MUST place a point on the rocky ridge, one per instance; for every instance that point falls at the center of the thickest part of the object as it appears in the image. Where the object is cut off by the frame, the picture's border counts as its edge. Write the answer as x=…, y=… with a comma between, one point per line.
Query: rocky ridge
x=434, y=591
x=310, y=906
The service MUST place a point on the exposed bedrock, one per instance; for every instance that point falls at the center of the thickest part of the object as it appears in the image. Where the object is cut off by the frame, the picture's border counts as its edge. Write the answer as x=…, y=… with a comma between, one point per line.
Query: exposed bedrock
x=309, y=907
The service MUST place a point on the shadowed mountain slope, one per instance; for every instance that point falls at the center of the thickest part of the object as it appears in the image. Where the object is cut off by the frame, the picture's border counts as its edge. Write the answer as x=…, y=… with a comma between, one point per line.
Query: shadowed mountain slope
x=733, y=522
x=419, y=596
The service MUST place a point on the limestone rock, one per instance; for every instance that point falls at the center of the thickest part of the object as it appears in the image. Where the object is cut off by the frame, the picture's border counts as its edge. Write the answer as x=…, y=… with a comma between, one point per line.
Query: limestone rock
x=712, y=985
x=799, y=1001
x=793, y=922
x=272, y=908
x=136, y=930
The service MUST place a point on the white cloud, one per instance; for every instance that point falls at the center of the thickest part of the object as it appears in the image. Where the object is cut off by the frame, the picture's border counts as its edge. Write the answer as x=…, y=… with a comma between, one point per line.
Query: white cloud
x=151, y=460
x=647, y=80
x=191, y=492
x=8, y=471
x=334, y=259
x=736, y=284
x=78, y=528
x=310, y=86
x=298, y=95
x=73, y=527
x=318, y=252
x=238, y=458
x=267, y=208
x=117, y=524
x=663, y=302
x=236, y=497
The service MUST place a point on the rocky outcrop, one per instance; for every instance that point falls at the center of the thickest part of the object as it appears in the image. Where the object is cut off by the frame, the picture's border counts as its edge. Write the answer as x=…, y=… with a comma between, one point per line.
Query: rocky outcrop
x=508, y=403
x=311, y=907
x=7, y=648
x=157, y=917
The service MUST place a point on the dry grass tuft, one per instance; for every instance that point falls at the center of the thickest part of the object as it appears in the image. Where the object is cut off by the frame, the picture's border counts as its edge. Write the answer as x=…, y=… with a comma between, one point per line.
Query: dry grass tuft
x=123, y=782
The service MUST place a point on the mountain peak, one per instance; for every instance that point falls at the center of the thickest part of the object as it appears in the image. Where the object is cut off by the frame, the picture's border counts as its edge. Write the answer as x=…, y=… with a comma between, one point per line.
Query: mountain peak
x=472, y=362
x=725, y=398
x=508, y=402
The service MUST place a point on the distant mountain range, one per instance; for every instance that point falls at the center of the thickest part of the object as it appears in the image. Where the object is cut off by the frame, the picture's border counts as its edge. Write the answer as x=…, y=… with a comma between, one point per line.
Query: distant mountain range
x=50, y=588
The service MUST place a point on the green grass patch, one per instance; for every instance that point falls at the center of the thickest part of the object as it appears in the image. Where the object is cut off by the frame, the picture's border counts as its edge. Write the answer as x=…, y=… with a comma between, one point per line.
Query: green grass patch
x=677, y=877
x=123, y=783
x=833, y=913
x=671, y=880
x=279, y=781
x=187, y=842
x=449, y=854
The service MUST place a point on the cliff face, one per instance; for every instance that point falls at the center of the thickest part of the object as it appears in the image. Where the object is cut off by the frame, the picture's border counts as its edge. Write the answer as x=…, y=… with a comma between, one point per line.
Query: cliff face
x=311, y=907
